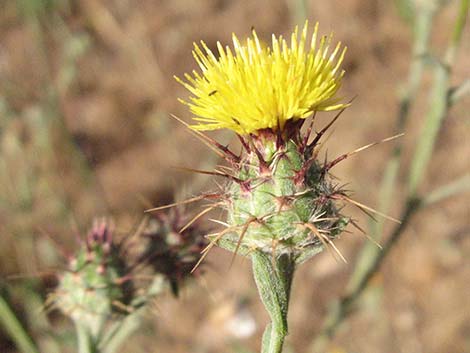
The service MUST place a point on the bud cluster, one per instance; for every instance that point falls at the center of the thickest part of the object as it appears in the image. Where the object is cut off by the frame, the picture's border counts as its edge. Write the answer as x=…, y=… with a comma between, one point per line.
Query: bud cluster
x=103, y=282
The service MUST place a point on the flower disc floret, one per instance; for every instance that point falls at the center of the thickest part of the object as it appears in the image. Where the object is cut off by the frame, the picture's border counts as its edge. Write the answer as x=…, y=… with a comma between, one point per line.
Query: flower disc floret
x=257, y=87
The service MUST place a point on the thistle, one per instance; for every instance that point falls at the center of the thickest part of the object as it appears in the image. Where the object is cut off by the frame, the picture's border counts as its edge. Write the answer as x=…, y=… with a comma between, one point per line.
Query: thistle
x=281, y=202
x=96, y=286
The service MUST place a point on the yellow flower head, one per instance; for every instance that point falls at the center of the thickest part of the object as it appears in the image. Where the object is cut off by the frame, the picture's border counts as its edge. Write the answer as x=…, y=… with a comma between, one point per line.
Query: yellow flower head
x=257, y=87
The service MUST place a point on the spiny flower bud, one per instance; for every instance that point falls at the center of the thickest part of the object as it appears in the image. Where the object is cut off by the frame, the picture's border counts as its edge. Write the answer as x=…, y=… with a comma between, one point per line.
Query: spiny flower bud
x=95, y=287
x=283, y=199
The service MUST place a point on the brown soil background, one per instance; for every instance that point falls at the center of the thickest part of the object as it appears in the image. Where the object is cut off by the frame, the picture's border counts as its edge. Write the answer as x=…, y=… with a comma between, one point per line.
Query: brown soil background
x=115, y=100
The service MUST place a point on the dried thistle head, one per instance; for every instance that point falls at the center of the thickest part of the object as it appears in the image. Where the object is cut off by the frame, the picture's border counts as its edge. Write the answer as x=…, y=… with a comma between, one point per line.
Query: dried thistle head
x=173, y=246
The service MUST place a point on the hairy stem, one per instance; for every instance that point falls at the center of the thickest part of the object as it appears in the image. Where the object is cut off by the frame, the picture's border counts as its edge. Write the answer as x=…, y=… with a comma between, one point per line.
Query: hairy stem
x=84, y=339
x=126, y=328
x=273, y=277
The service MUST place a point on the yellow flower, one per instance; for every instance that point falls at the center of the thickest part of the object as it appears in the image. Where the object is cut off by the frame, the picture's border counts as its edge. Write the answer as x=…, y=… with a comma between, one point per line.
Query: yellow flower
x=256, y=87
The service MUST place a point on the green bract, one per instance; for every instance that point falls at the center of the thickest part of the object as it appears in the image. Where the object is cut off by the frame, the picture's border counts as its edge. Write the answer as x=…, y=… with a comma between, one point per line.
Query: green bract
x=280, y=202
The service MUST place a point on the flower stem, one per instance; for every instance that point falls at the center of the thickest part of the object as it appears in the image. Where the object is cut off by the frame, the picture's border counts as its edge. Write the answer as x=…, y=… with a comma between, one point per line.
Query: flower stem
x=13, y=326
x=126, y=328
x=273, y=277
x=84, y=339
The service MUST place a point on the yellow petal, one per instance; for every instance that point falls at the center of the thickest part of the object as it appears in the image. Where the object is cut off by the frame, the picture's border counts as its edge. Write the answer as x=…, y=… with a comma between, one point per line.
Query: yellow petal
x=254, y=87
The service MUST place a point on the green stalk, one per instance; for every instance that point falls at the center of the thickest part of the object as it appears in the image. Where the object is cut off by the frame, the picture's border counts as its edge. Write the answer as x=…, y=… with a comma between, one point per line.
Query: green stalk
x=117, y=334
x=456, y=187
x=422, y=31
x=273, y=278
x=428, y=137
x=126, y=328
x=457, y=93
x=371, y=259
x=84, y=339
x=14, y=328
x=439, y=104
x=344, y=307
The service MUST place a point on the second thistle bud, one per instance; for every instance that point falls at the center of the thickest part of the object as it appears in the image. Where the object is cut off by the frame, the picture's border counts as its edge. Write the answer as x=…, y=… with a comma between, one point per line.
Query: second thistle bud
x=94, y=289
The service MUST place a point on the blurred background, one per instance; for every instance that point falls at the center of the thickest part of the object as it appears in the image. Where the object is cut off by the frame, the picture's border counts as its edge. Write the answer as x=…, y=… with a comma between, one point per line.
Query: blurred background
x=86, y=93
